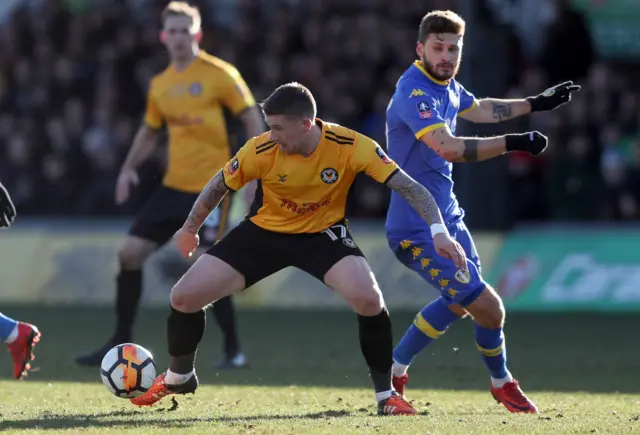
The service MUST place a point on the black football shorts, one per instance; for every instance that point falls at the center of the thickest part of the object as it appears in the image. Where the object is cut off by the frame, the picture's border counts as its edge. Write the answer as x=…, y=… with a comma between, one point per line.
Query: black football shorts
x=257, y=253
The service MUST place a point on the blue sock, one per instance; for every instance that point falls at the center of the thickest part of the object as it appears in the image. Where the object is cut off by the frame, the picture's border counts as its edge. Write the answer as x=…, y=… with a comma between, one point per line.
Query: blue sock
x=6, y=326
x=490, y=343
x=429, y=324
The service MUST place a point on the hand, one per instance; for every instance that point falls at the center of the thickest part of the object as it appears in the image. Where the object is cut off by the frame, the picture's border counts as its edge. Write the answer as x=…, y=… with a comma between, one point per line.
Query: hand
x=125, y=179
x=449, y=248
x=7, y=209
x=553, y=97
x=186, y=242
x=532, y=142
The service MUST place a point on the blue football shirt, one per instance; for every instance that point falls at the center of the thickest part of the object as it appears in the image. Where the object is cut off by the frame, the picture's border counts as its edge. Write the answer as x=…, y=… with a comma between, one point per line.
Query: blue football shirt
x=419, y=105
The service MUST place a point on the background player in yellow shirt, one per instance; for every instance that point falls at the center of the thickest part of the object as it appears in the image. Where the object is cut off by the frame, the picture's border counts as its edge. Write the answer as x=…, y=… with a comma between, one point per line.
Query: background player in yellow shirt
x=189, y=98
x=305, y=167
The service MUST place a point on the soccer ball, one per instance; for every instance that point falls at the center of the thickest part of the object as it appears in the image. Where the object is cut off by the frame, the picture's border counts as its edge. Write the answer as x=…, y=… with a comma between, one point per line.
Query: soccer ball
x=128, y=370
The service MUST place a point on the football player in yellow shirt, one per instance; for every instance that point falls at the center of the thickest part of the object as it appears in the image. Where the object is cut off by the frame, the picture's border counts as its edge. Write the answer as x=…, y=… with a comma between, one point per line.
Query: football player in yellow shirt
x=188, y=98
x=305, y=167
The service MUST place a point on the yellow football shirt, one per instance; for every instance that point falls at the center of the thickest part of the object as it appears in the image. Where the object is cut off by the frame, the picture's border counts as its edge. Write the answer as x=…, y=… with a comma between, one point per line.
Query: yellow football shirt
x=307, y=194
x=191, y=103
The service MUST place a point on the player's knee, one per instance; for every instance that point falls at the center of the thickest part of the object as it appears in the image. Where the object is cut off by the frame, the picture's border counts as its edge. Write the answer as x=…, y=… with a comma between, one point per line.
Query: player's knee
x=181, y=300
x=132, y=256
x=488, y=310
x=368, y=302
x=499, y=313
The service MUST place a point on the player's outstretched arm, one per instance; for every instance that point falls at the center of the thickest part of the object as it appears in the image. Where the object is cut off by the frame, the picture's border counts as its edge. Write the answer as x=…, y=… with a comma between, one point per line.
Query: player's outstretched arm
x=425, y=205
x=476, y=149
x=208, y=199
x=494, y=110
x=491, y=110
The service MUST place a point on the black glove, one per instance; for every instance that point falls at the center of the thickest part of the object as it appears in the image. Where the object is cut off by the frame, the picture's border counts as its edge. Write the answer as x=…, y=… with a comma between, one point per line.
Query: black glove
x=7, y=209
x=553, y=97
x=532, y=142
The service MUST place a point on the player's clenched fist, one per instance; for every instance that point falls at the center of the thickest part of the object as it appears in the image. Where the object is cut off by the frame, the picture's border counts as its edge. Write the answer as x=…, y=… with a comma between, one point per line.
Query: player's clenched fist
x=448, y=248
x=532, y=142
x=186, y=242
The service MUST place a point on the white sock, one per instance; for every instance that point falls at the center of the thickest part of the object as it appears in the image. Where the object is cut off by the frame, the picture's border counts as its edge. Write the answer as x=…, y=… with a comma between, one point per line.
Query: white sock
x=399, y=369
x=14, y=334
x=383, y=395
x=177, y=379
x=499, y=383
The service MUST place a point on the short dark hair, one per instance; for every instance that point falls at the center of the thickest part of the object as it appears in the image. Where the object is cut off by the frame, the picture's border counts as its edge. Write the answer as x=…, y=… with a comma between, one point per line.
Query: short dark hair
x=440, y=22
x=291, y=99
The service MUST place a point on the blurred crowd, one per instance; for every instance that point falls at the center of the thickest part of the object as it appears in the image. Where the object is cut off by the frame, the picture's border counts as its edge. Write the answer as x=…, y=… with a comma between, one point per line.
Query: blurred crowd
x=591, y=170
x=74, y=74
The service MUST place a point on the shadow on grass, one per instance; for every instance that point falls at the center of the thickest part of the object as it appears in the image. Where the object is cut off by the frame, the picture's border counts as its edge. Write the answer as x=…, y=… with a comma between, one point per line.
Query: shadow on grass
x=135, y=418
x=560, y=352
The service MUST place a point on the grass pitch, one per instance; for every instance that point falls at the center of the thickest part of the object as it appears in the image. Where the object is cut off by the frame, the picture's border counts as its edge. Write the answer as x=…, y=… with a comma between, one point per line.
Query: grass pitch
x=307, y=377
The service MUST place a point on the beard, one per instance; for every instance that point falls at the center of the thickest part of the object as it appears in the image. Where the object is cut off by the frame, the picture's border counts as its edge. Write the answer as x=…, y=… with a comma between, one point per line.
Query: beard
x=440, y=74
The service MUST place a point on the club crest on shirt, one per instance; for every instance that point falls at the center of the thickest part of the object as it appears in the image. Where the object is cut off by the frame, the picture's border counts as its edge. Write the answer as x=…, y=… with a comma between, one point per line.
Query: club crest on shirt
x=329, y=175
x=233, y=167
x=382, y=156
x=424, y=110
x=195, y=89
x=349, y=243
x=463, y=276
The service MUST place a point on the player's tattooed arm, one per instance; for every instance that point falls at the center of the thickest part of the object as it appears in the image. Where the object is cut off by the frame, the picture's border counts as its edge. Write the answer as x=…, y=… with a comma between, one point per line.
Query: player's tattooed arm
x=464, y=149
x=417, y=195
x=491, y=110
x=208, y=200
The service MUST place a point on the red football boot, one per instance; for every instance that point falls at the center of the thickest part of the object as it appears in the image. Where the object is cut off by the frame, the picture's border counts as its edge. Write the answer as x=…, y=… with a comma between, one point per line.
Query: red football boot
x=160, y=389
x=512, y=397
x=21, y=349
x=395, y=405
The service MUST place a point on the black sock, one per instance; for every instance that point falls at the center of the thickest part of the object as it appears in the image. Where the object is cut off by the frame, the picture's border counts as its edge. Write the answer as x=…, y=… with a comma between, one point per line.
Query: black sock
x=128, y=291
x=225, y=316
x=376, y=342
x=184, y=332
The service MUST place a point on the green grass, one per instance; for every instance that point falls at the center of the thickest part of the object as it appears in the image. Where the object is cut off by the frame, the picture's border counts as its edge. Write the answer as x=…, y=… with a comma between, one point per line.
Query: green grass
x=307, y=376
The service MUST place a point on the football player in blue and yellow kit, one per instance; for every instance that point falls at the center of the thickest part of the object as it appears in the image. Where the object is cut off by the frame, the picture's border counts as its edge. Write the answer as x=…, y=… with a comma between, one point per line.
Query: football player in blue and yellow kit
x=20, y=337
x=421, y=125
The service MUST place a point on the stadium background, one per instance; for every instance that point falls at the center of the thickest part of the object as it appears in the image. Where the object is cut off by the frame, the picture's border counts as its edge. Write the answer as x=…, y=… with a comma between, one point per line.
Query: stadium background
x=73, y=77
x=556, y=233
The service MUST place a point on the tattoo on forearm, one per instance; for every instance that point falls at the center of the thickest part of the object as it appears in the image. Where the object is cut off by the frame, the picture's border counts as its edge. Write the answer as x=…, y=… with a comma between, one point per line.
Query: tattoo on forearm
x=418, y=196
x=208, y=199
x=470, y=153
x=501, y=111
